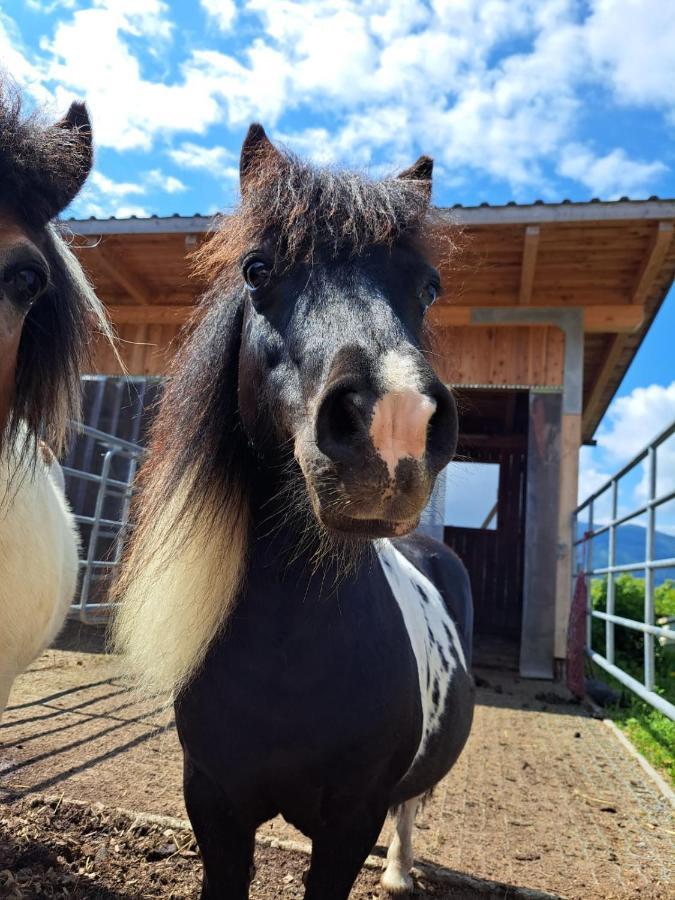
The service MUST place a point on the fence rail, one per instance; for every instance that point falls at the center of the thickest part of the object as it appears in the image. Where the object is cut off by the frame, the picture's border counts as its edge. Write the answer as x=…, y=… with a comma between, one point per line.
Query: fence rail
x=584, y=548
x=103, y=529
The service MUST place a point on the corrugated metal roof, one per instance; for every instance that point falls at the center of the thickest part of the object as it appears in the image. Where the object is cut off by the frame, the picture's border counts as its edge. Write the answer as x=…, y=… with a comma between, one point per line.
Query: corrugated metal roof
x=482, y=214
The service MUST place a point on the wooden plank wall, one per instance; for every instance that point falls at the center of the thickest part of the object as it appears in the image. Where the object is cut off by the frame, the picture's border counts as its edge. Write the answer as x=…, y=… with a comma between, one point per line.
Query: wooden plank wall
x=144, y=349
x=473, y=354
x=477, y=354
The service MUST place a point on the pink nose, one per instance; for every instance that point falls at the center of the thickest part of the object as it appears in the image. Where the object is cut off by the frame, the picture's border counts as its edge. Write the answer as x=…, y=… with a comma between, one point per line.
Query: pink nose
x=399, y=426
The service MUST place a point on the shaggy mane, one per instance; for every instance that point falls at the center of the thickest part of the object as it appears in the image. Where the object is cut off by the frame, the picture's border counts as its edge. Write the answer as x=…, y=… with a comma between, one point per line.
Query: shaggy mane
x=186, y=559
x=34, y=157
x=39, y=165
x=302, y=210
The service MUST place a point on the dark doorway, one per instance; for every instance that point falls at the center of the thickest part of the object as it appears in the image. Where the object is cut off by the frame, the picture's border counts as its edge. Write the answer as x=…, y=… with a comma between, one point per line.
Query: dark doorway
x=493, y=435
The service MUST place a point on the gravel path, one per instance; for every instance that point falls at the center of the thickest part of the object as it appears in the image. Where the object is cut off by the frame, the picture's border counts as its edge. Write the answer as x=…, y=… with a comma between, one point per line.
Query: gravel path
x=543, y=797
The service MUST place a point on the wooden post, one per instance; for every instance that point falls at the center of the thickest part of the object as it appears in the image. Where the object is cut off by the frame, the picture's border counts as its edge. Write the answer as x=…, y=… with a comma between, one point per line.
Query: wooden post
x=569, y=485
x=538, y=629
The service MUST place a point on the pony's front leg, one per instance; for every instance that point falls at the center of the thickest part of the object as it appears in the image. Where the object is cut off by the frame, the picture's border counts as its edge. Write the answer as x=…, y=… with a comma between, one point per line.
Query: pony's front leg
x=226, y=847
x=396, y=878
x=341, y=848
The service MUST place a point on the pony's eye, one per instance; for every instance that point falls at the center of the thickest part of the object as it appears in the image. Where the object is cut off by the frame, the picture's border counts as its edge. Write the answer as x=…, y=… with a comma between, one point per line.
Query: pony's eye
x=256, y=273
x=428, y=294
x=24, y=285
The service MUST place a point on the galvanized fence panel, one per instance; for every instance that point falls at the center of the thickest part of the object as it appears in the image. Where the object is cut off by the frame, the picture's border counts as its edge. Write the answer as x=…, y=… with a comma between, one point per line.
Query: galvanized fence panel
x=584, y=547
x=99, y=470
x=103, y=530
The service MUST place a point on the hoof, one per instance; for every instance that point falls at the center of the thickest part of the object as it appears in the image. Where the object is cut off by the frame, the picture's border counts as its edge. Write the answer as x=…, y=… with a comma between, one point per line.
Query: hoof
x=397, y=882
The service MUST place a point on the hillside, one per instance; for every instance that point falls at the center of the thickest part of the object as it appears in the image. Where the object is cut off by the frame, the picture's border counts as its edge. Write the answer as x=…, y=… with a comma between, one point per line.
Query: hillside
x=630, y=547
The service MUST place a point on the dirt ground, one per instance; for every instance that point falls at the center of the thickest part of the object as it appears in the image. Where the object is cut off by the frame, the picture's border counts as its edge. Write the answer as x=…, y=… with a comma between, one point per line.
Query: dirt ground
x=54, y=850
x=544, y=797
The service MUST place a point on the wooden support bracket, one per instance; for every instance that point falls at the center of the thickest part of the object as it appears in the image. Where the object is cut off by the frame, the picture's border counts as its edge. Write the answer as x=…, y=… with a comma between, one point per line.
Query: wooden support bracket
x=529, y=264
x=119, y=271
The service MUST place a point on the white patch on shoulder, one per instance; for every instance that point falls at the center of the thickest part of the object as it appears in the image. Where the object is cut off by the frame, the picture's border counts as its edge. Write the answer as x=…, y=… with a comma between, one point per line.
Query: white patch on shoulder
x=433, y=635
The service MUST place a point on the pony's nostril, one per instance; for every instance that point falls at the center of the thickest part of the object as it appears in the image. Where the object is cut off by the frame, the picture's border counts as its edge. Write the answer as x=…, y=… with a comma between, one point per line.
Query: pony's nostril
x=441, y=429
x=346, y=416
x=342, y=419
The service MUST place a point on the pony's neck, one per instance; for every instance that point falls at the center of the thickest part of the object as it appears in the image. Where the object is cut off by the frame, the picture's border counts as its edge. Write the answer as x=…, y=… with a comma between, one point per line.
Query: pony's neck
x=286, y=535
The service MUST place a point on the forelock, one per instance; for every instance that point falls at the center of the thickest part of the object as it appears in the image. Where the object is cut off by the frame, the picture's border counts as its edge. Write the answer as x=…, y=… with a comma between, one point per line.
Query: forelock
x=302, y=211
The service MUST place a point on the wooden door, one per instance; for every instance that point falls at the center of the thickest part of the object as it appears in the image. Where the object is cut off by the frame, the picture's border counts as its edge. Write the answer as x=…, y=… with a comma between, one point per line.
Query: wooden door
x=494, y=558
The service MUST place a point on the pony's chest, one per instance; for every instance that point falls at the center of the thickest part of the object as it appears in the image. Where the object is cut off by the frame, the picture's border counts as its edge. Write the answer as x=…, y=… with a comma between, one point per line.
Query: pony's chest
x=432, y=634
x=321, y=671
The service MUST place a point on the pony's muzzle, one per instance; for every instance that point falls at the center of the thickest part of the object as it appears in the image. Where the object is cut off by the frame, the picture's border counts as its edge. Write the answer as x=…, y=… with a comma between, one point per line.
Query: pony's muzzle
x=380, y=453
x=353, y=423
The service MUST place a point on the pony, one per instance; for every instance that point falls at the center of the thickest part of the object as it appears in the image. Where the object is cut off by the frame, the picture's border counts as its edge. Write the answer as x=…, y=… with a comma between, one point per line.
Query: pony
x=316, y=649
x=47, y=310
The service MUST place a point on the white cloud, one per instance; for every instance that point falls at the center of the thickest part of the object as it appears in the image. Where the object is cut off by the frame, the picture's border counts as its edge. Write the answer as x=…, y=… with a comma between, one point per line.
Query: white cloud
x=631, y=423
x=635, y=419
x=41, y=6
x=14, y=60
x=168, y=183
x=102, y=195
x=610, y=176
x=90, y=57
x=222, y=12
x=217, y=160
x=488, y=86
x=125, y=212
x=631, y=43
x=112, y=188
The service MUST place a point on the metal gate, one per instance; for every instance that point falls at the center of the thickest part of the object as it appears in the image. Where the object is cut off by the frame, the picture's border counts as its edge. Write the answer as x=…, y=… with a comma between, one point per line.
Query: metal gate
x=649, y=564
x=104, y=490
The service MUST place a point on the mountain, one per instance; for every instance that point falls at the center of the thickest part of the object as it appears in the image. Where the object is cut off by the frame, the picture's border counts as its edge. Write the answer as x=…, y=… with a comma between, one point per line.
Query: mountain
x=630, y=547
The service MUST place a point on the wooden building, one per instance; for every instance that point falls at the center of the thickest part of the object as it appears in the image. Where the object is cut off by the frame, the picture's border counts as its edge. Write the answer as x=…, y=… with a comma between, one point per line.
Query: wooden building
x=542, y=312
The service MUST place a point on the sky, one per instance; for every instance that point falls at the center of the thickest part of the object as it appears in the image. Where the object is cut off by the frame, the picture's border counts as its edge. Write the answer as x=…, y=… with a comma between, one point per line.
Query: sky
x=515, y=100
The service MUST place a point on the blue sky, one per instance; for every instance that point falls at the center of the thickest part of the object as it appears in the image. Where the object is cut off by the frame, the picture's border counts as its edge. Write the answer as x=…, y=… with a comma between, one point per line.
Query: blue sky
x=515, y=99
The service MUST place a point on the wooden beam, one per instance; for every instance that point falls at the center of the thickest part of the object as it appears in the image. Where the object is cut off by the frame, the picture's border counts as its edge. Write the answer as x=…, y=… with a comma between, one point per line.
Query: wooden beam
x=612, y=356
x=613, y=319
x=602, y=318
x=150, y=315
x=444, y=315
x=529, y=263
x=119, y=271
x=658, y=248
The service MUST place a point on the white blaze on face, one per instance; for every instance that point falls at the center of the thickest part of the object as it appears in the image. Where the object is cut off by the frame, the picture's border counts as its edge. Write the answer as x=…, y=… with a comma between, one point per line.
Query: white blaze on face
x=400, y=417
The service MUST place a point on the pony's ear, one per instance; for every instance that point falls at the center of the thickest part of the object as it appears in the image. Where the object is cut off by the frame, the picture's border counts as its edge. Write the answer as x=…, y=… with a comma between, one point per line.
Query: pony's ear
x=421, y=171
x=256, y=149
x=67, y=160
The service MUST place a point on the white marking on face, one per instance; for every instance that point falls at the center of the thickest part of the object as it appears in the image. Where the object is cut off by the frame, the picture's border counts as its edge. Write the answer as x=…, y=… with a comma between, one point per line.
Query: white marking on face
x=433, y=635
x=399, y=371
x=399, y=426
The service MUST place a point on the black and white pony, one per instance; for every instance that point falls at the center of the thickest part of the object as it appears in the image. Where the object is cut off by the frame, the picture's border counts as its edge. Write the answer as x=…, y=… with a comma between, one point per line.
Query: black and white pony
x=317, y=657
x=48, y=313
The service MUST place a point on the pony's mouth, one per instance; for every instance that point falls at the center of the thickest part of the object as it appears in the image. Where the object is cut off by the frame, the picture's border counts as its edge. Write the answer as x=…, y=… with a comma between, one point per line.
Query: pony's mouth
x=367, y=528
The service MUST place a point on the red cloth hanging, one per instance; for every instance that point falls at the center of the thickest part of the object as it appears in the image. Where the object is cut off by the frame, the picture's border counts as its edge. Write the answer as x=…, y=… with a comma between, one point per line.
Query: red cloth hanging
x=576, y=637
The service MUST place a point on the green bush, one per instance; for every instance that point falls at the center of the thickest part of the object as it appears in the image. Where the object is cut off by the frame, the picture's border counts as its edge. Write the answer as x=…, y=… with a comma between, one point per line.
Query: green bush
x=629, y=601
x=652, y=733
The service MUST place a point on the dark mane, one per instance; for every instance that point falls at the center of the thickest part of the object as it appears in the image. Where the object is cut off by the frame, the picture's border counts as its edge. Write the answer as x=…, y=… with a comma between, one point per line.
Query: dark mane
x=304, y=210
x=41, y=168
x=192, y=512
x=35, y=159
